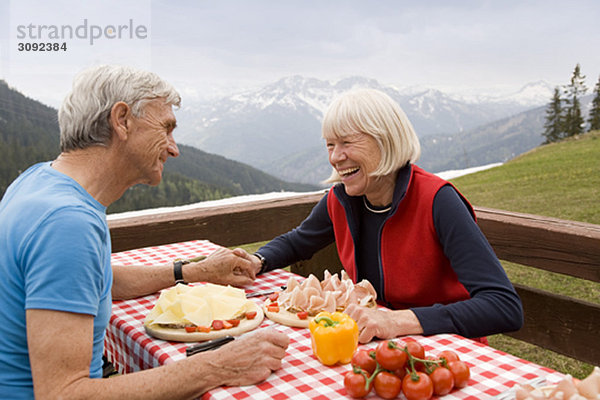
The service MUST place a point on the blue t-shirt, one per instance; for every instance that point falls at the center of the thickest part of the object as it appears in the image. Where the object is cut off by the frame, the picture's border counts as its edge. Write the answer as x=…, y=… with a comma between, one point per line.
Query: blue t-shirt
x=54, y=255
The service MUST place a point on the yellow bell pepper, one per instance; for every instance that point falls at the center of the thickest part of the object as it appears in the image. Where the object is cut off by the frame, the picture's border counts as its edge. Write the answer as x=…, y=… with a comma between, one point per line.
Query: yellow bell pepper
x=334, y=337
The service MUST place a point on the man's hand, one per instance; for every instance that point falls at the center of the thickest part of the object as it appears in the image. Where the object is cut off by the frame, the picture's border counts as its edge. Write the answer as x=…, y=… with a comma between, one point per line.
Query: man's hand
x=224, y=267
x=383, y=323
x=249, y=359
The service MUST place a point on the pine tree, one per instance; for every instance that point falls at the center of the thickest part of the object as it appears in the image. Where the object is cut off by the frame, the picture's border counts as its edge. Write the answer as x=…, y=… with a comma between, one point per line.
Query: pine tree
x=594, y=118
x=554, y=128
x=573, y=119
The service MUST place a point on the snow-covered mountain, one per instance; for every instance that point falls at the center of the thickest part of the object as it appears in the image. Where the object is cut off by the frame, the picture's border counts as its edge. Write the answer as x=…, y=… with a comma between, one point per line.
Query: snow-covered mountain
x=277, y=127
x=530, y=95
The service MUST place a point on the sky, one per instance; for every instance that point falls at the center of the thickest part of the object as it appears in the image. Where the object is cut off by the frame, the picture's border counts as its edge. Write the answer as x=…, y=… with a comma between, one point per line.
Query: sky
x=208, y=48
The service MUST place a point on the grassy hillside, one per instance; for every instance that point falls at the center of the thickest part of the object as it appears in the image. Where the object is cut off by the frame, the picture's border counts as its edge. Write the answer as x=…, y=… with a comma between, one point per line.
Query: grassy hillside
x=560, y=180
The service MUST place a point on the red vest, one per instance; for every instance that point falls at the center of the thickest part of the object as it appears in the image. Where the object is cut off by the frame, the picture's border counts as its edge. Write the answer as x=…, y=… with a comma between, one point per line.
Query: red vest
x=416, y=272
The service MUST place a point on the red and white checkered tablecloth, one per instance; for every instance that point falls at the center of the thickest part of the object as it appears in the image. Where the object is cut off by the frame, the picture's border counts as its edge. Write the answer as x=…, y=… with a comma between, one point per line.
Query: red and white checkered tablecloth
x=301, y=376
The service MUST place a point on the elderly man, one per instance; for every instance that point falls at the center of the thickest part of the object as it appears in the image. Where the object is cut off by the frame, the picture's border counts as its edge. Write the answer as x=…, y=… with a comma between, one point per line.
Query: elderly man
x=57, y=282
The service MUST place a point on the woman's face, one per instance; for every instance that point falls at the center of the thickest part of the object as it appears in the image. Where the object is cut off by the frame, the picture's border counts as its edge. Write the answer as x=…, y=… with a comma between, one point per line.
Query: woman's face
x=355, y=156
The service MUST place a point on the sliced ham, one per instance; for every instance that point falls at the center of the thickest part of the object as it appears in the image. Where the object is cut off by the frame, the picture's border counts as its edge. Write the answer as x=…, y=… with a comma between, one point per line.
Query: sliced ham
x=291, y=284
x=316, y=304
x=330, y=282
x=311, y=282
x=330, y=305
x=331, y=294
x=299, y=300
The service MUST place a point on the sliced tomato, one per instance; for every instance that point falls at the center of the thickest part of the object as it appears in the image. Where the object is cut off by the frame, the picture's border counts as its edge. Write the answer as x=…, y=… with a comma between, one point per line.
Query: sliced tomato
x=227, y=325
x=250, y=314
x=302, y=314
x=273, y=297
x=203, y=329
x=217, y=325
x=234, y=322
x=273, y=308
x=190, y=328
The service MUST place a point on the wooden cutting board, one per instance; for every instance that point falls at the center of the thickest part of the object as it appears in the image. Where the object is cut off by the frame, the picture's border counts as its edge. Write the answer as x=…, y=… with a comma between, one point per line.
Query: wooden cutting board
x=180, y=335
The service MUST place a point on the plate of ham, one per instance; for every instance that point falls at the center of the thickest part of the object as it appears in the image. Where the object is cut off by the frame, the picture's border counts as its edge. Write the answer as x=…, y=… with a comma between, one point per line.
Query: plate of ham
x=567, y=388
x=297, y=305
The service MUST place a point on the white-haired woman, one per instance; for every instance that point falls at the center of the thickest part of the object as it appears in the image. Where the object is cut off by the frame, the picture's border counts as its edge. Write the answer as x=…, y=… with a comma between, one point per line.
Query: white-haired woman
x=408, y=232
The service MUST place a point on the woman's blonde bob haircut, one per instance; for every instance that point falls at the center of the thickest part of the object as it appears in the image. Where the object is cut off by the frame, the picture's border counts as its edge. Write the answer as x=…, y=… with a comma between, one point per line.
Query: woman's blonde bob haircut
x=374, y=113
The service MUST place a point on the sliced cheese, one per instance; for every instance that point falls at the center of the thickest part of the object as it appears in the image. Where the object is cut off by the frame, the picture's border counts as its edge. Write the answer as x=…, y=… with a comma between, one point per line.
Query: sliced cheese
x=227, y=307
x=198, y=305
x=202, y=315
x=167, y=317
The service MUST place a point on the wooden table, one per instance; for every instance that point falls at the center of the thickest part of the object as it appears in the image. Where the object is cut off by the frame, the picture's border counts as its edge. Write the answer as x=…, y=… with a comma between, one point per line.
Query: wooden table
x=302, y=376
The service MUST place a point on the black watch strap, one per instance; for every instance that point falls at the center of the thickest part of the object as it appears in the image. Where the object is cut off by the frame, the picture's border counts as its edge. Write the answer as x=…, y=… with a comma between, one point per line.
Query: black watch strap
x=178, y=272
x=263, y=262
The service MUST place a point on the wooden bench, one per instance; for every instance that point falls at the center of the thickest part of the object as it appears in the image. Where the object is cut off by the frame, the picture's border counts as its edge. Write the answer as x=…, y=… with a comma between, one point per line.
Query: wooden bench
x=559, y=323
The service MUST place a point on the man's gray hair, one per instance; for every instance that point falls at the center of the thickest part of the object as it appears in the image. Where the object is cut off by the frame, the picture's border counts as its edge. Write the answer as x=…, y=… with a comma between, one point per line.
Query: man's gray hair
x=84, y=114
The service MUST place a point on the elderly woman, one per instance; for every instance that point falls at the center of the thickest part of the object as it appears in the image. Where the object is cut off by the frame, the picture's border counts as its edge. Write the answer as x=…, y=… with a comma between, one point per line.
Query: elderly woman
x=408, y=232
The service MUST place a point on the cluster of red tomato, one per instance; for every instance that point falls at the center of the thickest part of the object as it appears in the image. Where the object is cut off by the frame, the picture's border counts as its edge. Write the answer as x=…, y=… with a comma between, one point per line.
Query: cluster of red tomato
x=395, y=367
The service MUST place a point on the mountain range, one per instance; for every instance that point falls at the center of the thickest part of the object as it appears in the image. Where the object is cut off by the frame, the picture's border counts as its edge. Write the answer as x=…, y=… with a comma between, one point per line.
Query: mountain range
x=276, y=128
x=261, y=140
x=29, y=134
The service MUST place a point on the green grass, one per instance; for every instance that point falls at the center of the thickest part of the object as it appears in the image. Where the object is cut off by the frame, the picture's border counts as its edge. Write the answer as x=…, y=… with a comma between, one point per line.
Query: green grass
x=540, y=356
x=251, y=247
x=552, y=282
x=560, y=180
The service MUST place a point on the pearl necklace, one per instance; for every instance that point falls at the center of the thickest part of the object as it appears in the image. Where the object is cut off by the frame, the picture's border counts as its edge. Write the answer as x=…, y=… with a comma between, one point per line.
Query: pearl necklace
x=380, y=211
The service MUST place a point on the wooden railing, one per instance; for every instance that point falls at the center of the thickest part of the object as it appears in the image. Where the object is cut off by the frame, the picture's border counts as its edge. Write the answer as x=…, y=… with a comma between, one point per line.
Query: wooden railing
x=559, y=323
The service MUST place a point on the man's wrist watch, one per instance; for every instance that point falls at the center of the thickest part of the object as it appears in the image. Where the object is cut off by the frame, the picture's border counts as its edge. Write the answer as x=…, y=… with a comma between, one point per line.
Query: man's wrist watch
x=263, y=262
x=178, y=272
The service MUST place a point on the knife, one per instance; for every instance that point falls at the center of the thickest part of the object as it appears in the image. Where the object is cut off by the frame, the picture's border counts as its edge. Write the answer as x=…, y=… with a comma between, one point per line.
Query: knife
x=263, y=292
x=209, y=345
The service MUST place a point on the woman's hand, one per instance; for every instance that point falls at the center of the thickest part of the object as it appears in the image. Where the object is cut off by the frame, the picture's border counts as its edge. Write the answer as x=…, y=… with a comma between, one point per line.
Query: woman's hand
x=383, y=323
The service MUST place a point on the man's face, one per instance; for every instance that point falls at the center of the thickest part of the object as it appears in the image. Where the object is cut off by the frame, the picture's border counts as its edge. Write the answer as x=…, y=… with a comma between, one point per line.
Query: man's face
x=152, y=141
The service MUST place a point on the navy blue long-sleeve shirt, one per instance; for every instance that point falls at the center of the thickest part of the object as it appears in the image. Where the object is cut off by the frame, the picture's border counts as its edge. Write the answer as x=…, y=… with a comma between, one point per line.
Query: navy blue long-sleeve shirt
x=494, y=305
